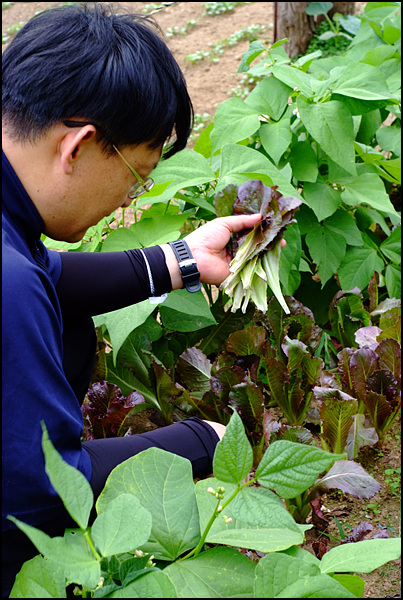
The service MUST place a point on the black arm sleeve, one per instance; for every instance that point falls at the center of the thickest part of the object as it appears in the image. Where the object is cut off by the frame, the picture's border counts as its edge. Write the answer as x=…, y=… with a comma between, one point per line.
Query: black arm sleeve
x=92, y=283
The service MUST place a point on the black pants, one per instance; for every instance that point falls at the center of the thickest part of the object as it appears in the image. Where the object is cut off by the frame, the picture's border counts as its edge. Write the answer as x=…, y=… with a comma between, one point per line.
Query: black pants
x=192, y=439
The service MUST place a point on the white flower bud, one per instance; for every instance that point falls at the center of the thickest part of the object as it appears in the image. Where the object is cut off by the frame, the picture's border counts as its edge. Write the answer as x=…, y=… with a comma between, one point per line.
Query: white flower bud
x=211, y=491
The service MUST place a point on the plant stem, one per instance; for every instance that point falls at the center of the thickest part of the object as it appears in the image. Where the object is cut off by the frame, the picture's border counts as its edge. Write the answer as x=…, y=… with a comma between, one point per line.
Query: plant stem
x=91, y=545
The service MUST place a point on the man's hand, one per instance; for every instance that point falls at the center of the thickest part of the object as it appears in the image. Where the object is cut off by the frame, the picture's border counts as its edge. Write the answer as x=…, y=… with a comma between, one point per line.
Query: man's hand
x=208, y=245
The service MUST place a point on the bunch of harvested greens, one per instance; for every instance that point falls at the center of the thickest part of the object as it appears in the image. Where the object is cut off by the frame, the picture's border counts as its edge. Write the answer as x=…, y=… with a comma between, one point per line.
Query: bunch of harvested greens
x=256, y=252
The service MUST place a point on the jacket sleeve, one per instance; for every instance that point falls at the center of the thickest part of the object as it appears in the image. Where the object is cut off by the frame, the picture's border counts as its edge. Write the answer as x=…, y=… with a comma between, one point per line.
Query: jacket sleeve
x=94, y=283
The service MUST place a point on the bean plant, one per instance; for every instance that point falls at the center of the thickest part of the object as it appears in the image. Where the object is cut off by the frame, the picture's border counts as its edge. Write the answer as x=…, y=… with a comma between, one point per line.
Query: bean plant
x=157, y=534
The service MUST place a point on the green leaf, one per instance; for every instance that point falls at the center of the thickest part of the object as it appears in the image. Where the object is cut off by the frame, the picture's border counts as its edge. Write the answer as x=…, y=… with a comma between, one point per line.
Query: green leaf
x=280, y=531
x=283, y=576
x=362, y=81
x=255, y=49
x=318, y=8
x=182, y=311
x=342, y=223
x=290, y=468
x=389, y=138
x=80, y=565
x=303, y=162
x=293, y=77
x=233, y=457
x=217, y=573
x=122, y=526
x=239, y=162
x=155, y=584
x=163, y=484
x=361, y=557
x=121, y=322
x=352, y=583
x=391, y=247
x=393, y=280
x=276, y=137
x=358, y=266
x=147, y=232
x=327, y=250
x=269, y=97
x=322, y=199
x=331, y=125
x=234, y=120
x=262, y=508
x=71, y=485
x=368, y=189
x=185, y=169
x=39, y=578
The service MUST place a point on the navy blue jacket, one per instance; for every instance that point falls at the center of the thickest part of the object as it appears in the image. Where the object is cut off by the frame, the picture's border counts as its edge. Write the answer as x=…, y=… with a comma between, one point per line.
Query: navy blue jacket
x=35, y=387
x=43, y=292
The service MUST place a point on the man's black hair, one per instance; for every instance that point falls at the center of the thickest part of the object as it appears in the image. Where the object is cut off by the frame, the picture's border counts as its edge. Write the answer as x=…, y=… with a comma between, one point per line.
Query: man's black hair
x=90, y=63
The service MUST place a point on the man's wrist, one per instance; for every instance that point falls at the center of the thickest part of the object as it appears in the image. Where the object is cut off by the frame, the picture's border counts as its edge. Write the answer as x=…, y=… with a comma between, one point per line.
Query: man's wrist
x=173, y=267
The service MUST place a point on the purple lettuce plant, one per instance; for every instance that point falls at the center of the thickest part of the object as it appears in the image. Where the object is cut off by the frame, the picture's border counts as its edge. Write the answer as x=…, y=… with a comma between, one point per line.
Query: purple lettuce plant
x=256, y=252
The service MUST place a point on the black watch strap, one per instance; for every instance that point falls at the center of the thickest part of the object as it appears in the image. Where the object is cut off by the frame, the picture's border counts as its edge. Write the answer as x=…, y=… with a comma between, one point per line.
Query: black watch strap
x=187, y=265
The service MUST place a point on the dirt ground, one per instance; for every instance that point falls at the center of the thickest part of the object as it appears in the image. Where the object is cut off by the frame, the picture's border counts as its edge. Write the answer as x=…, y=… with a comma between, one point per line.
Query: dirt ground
x=209, y=85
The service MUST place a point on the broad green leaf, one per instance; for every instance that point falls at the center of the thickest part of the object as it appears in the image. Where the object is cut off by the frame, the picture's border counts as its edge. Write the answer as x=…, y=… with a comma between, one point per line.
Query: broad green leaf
x=216, y=573
x=264, y=540
x=331, y=125
x=80, y=565
x=393, y=280
x=362, y=81
x=368, y=189
x=290, y=258
x=163, y=483
x=39, y=578
x=182, y=311
x=276, y=137
x=322, y=199
x=121, y=322
x=185, y=169
x=269, y=97
x=391, y=247
x=390, y=138
x=358, y=266
x=280, y=531
x=303, y=162
x=122, y=526
x=276, y=572
x=343, y=223
x=327, y=250
x=361, y=557
x=234, y=120
x=233, y=456
x=262, y=508
x=293, y=77
x=239, y=162
x=155, y=584
x=71, y=485
x=291, y=468
x=352, y=583
x=147, y=232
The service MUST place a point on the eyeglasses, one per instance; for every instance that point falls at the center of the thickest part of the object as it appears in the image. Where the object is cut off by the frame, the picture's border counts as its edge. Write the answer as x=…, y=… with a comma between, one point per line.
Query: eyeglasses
x=142, y=186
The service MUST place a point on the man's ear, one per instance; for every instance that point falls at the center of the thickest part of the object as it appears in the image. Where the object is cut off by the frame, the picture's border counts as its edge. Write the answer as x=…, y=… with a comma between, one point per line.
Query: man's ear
x=72, y=145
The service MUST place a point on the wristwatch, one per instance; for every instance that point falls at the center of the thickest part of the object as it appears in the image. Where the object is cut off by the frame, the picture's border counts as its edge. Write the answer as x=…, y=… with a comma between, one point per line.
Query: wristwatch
x=187, y=265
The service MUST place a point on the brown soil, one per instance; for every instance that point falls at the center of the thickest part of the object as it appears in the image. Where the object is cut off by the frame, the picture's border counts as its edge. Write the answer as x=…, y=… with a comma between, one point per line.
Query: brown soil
x=210, y=84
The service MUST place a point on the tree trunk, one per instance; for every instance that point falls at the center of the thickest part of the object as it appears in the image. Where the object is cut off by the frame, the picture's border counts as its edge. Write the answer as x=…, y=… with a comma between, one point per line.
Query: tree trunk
x=292, y=22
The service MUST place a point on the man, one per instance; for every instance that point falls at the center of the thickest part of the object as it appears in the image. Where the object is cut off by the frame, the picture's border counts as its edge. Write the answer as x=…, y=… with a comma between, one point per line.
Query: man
x=89, y=100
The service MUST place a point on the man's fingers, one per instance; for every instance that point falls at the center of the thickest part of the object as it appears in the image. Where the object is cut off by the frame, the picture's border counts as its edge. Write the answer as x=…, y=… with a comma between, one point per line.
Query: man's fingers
x=239, y=222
